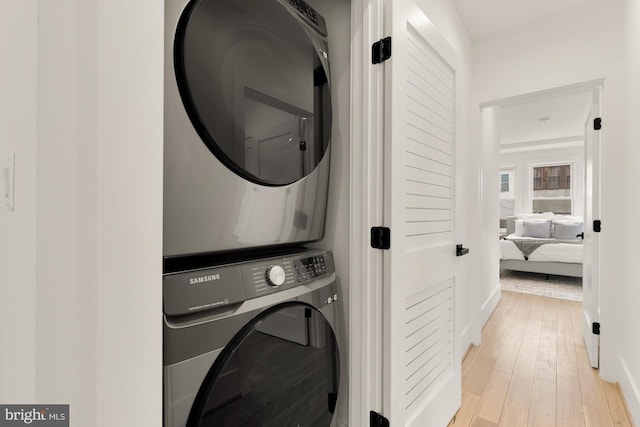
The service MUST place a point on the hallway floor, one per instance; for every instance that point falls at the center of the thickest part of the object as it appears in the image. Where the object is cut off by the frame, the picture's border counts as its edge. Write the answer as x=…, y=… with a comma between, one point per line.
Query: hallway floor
x=532, y=369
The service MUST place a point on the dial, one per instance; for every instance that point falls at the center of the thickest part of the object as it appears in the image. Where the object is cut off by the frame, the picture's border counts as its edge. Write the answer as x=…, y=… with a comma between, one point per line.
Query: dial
x=275, y=275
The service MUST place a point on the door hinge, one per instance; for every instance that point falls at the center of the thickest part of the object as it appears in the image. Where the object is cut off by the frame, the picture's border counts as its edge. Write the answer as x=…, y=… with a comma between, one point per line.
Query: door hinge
x=595, y=328
x=381, y=50
x=597, y=226
x=597, y=123
x=380, y=237
x=377, y=420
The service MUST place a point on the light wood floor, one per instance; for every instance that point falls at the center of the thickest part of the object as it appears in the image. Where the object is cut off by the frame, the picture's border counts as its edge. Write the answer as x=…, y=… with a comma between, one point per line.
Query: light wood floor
x=532, y=370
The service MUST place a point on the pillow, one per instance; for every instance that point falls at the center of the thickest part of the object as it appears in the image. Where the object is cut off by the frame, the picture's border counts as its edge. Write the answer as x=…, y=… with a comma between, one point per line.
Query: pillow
x=537, y=228
x=519, y=230
x=567, y=230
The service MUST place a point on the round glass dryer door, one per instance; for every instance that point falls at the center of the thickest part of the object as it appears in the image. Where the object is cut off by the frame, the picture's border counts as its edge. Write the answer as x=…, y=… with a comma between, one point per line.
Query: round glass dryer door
x=254, y=78
x=280, y=370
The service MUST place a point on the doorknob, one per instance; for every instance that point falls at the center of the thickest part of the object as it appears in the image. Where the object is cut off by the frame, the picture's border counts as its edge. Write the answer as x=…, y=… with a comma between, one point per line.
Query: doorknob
x=461, y=251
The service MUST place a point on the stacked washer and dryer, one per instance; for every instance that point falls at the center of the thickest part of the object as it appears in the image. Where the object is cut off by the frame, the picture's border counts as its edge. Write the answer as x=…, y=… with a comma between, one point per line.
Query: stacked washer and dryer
x=250, y=335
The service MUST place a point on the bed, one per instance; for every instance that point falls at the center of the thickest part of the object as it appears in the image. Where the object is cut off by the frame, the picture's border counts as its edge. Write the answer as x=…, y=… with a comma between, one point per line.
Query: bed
x=543, y=243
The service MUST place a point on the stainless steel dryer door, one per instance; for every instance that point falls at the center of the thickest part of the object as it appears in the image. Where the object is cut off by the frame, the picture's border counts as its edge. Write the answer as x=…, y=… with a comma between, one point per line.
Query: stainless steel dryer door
x=247, y=124
x=280, y=370
x=253, y=76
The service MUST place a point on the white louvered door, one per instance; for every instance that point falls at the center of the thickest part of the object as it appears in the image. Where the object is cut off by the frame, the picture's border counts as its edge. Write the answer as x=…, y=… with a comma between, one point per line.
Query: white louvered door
x=422, y=380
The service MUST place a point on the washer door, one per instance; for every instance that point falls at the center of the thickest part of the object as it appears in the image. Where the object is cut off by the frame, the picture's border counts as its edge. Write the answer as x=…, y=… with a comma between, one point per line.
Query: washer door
x=253, y=77
x=281, y=369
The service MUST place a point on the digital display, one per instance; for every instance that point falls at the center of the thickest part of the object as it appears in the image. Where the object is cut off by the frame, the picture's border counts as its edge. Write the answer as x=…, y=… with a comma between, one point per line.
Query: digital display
x=311, y=267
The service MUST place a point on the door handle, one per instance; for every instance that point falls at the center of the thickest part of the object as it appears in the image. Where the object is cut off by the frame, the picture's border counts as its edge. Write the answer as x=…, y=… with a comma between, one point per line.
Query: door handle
x=461, y=251
x=581, y=235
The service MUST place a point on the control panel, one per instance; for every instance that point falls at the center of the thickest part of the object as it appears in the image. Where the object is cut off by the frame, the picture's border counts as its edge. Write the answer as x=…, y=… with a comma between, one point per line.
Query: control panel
x=305, y=10
x=308, y=268
x=268, y=275
x=308, y=14
x=216, y=287
x=287, y=272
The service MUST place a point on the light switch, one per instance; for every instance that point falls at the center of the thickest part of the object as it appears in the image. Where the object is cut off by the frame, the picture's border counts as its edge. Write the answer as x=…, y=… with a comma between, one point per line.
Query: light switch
x=8, y=177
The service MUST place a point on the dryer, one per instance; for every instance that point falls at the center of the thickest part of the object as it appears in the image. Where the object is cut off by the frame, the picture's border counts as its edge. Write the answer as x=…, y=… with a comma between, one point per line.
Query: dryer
x=247, y=125
x=252, y=344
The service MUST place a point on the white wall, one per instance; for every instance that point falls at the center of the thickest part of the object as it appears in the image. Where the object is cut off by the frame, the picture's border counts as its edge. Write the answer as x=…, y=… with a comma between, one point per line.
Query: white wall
x=100, y=210
x=338, y=16
x=559, y=52
x=628, y=294
x=523, y=161
x=560, y=47
x=67, y=291
x=130, y=112
x=486, y=291
x=18, y=42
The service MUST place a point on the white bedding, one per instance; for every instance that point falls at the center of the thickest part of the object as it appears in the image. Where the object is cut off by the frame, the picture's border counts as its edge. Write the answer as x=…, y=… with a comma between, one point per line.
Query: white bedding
x=556, y=252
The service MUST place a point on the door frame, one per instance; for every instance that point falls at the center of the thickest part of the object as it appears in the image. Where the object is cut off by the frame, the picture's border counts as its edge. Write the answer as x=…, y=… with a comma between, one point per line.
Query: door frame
x=366, y=157
x=486, y=168
x=366, y=351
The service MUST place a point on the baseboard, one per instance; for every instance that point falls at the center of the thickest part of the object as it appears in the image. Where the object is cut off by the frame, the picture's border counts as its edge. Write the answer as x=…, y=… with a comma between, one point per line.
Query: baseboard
x=630, y=391
x=465, y=340
x=489, y=305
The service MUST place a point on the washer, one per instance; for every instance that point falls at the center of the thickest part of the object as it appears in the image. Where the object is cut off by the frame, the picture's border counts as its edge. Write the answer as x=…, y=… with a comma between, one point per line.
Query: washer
x=247, y=125
x=252, y=344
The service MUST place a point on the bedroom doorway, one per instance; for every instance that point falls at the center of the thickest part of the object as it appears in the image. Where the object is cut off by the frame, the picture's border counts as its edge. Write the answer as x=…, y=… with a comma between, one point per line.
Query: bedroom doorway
x=542, y=165
x=546, y=158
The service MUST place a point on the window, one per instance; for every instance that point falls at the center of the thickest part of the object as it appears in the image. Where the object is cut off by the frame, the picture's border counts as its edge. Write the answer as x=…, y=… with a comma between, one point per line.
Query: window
x=507, y=191
x=552, y=178
x=504, y=182
x=507, y=182
x=551, y=189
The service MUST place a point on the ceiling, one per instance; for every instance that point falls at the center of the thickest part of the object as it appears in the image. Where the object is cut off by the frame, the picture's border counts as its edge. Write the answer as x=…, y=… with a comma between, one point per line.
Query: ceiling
x=550, y=119
x=520, y=126
x=484, y=18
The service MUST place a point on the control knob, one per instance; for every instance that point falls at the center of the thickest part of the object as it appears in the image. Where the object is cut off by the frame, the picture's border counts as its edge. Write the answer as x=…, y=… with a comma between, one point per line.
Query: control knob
x=275, y=276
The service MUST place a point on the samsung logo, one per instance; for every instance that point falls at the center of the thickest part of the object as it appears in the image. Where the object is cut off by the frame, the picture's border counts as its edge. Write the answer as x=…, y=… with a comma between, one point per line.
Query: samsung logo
x=204, y=279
